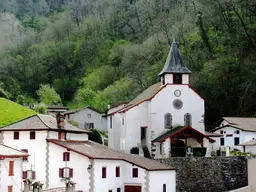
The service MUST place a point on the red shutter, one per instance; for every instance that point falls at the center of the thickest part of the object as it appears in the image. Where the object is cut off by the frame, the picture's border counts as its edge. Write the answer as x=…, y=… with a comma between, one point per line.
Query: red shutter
x=118, y=190
x=117, y=171
x=104, y=172
x=66, y=156
x=33, y=175
x=16, y=135
x=10, y=188
x=32, y=135
x=70, y=172
x=135, y=172
x=61, y=172
x=11, y=167
x=24, y=175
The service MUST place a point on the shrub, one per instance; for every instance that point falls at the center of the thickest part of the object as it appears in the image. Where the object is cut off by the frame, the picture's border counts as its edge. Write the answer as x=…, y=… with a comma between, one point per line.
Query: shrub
x=134, y=150
x=178, y=151
x=95, y=136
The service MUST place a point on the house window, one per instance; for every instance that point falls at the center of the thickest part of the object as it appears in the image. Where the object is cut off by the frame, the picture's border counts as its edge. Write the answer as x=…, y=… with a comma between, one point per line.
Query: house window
x=111, y=122
x=104, y=172
x=236, y=140
x=32, y=135
x=11, y=167
x=168, y=121
x=16, y=135
x=89, y=115
x=110, y=190
x=164, y=187
x=135, y=172
x=222, y=143
x=117, y=171
x=118, y=189
x=237, y=131
x=122, y=121
x=66, y=156
x=221, y=132
x=25, y=151
x=10, y=188
x=188, y=119
x=161, y=150
x=177, y=78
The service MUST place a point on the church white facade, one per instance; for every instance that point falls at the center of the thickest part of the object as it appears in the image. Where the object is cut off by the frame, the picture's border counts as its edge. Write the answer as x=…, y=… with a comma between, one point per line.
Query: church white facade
x=165, y=109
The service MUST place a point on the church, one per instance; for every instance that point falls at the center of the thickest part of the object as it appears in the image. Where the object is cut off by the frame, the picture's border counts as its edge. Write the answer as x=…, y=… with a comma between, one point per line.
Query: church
x=166, y=115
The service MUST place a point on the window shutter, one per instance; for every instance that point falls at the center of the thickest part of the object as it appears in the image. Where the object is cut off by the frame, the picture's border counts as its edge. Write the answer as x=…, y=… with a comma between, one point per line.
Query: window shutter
x=164, y=187
x=16, y=135
x=104, y=172
x=70, y=173
x=66, y=156
x=11, y=166
x=61, y=172
x=135, y=172
x=33, y=175
x=117, y=171
x=24, y=175
x=10, y=188
x=118, y=189
x=32, y=135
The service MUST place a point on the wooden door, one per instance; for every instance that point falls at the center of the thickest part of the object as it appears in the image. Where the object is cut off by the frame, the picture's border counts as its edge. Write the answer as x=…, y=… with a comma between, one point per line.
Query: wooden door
x=128, y=188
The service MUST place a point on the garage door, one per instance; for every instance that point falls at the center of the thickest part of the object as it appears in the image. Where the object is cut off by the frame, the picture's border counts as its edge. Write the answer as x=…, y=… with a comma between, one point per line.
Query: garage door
x=132, y=188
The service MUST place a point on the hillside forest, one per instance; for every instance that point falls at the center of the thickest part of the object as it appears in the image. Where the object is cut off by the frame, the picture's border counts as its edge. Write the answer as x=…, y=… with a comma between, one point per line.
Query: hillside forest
x=103, y=52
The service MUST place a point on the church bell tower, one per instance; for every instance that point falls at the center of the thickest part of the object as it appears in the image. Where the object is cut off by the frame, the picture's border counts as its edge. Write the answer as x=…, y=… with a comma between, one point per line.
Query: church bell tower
x=174, y=71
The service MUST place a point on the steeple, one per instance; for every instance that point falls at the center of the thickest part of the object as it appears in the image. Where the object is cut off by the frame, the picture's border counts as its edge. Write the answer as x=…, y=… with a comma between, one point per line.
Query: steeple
x=174, y=62
x=174, y=71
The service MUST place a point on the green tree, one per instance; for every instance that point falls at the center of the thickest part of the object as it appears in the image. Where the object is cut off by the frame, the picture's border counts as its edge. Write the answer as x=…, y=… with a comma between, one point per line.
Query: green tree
x=95, y=136
x=48, y=95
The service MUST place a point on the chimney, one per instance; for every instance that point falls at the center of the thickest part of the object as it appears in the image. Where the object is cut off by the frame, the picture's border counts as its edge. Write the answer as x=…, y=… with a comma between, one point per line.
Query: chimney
x=27, y=185
x=70, y=186
x=60, y=120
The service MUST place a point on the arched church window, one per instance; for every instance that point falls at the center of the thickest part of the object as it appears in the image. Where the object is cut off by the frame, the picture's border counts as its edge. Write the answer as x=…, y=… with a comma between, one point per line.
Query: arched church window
x=168, y=121
x=188, y=119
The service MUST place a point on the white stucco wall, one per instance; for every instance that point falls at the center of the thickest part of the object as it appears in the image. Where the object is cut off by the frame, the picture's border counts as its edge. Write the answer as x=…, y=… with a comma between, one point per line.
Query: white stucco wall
x=6, y=180
x=36, y=149
x=111, y=181
x=185, y=78
x=168, y=78
x=77, y=136
x=159, y=178
x=78, y=162
x=251, y=149
x=82, y=116
x=114, y=132
x=135, y=118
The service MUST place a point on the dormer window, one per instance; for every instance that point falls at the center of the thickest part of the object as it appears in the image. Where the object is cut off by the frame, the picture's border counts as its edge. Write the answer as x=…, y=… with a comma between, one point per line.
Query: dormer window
x=177, y=78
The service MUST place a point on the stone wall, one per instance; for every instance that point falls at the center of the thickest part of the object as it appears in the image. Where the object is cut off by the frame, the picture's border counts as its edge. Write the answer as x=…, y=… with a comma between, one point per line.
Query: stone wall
x=209, y=174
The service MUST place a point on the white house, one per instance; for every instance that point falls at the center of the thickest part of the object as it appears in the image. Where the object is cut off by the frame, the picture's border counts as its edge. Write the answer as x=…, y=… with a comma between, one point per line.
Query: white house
x=88, y=117
x=97, y=168
x=236, y=133
x=29, y=135
x=11, y=161
x=61, y=153
x=166, y=110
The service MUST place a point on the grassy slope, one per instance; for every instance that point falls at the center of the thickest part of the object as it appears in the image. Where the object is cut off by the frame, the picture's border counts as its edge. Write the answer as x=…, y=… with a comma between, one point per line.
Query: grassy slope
x=11, y=112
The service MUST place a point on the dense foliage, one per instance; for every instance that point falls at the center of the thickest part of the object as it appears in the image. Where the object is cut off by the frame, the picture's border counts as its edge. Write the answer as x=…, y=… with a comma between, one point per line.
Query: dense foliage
x=101, y=52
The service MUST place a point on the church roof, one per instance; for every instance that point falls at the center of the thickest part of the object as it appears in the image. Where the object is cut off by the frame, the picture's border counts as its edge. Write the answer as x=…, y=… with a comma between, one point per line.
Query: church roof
x=94, y=150
x=174, y=62
x=172, y=133
x=40, y=122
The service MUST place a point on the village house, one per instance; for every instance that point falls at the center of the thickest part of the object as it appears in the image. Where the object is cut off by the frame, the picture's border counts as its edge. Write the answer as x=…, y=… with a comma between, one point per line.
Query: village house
x=11, y=161
x=87, y=118
x=61, y=153
x=167, y=114
x=55, y=109
x=236, y=133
